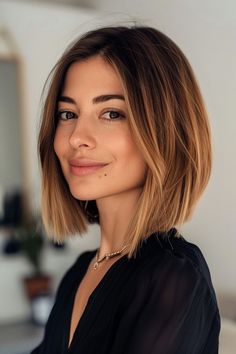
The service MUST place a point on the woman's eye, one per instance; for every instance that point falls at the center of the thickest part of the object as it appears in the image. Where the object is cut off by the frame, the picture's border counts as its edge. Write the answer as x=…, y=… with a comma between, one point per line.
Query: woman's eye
x=108, y=115
x=65, y=115
x=113, y=115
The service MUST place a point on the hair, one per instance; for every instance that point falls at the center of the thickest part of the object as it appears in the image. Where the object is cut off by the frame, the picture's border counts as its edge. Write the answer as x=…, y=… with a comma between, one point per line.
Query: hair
x=168, y=121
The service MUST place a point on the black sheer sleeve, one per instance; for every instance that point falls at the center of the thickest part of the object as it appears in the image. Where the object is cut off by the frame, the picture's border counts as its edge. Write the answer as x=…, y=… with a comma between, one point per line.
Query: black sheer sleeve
x=171, y=312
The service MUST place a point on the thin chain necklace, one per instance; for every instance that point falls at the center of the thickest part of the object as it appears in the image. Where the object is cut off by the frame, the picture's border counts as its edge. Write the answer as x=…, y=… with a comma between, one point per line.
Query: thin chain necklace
x=107, y=256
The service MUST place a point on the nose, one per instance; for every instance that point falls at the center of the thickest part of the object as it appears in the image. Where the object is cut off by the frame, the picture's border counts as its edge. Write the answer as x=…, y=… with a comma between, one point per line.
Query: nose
x=82, y=134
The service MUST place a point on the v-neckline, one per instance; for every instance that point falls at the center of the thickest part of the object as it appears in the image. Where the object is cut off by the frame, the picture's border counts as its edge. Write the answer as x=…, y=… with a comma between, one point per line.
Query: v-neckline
x=90, y=298
x=152, y=240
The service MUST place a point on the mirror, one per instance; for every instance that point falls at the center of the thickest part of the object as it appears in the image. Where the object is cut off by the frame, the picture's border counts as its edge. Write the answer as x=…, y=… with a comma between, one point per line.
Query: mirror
x=11, y=131
x=10, y=137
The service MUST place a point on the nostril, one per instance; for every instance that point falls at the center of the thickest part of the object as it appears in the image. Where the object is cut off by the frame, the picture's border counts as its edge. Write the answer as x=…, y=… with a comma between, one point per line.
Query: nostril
x=76, y=144
x=76, y=141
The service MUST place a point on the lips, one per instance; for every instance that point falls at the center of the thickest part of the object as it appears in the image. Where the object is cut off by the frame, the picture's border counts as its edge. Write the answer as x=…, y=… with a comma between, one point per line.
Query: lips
x=86, y=163
x=84, y=167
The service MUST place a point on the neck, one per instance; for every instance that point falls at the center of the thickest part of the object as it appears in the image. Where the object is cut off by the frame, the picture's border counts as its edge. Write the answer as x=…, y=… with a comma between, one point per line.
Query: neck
x=115, y=214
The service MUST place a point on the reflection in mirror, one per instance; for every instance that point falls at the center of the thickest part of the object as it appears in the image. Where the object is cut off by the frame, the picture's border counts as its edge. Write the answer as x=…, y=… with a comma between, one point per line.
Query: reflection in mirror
x=10, y=144
x=11, y=156
x=11, y=171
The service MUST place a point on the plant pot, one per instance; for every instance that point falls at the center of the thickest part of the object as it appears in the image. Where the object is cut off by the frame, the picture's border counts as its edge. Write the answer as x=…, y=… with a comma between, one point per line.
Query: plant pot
x=36, y=285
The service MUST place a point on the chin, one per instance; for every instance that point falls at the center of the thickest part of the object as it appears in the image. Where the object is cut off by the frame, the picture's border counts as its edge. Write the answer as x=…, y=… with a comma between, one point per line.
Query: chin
x=83, y=196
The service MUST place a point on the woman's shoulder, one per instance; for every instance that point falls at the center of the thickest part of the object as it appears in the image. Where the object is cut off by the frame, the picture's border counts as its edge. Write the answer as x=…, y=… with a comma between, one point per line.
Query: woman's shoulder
x=170, y=297
x=174, y=249
x=169, y=257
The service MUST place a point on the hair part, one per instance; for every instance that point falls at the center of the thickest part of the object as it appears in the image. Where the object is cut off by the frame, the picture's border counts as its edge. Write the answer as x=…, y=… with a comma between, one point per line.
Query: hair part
x=168, y=121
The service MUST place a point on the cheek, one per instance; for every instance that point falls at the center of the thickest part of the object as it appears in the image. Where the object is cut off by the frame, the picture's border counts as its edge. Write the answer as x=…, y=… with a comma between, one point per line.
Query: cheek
x=55, y=144
x=131, y=156
x=129, y=149
x=59, y=144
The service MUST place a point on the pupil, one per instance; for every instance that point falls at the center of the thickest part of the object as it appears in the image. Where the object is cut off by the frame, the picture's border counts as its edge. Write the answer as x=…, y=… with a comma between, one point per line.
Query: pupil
x=113, y=114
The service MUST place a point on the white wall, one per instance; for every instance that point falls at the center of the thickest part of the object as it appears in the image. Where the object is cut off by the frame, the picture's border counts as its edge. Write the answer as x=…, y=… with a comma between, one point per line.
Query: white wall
x=206, y=31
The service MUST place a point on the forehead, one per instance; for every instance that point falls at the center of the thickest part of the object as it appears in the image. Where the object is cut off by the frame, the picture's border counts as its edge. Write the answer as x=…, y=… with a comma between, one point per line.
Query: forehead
x=93, y=74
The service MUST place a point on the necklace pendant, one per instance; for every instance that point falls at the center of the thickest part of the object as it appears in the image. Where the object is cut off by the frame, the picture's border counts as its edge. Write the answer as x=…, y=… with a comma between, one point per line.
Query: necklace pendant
x=95, y=265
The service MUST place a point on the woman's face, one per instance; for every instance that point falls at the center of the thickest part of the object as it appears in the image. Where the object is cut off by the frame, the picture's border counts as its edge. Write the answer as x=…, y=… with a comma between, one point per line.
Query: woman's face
x=93, y=127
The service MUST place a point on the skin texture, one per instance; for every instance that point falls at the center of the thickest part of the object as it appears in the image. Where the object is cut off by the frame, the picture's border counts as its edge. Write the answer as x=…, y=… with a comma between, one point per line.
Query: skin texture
x=95, y=133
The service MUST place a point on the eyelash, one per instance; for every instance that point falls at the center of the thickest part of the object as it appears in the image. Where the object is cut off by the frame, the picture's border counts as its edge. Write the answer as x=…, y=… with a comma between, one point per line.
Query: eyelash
x=108, y=111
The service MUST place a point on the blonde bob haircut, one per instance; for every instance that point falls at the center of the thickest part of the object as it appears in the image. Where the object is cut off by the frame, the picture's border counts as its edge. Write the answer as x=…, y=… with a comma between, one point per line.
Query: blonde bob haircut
x=168, y=121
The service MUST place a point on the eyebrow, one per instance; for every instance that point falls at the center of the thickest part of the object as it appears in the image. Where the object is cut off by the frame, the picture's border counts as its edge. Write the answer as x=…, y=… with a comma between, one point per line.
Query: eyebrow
x=97, y=99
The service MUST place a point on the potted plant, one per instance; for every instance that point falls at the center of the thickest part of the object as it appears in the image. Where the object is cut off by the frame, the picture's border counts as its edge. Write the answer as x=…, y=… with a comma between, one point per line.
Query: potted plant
x=24, y=234
x=38, y=284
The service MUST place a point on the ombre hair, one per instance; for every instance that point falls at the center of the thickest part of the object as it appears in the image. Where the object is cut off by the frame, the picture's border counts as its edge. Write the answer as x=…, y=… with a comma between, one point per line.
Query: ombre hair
x=168, y=122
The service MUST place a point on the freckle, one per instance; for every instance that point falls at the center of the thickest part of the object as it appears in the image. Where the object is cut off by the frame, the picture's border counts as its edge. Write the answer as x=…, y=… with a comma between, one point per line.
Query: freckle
x=105, y=174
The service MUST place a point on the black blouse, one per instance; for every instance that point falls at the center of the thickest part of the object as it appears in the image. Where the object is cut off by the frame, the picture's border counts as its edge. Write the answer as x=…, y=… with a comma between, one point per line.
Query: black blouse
x=161, y=302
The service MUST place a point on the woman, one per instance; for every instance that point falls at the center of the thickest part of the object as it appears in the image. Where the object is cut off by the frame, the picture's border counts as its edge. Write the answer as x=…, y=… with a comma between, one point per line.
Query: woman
x=125, y=143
